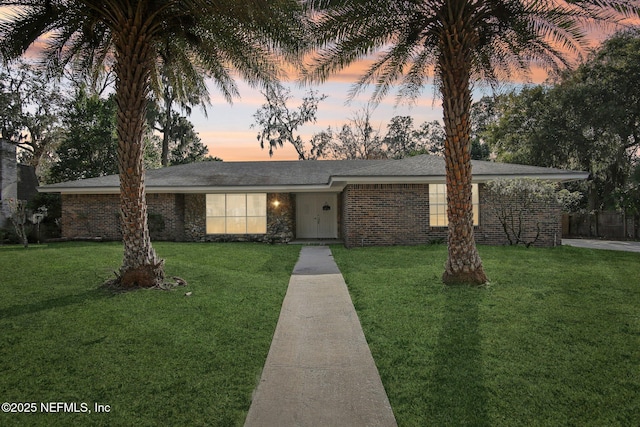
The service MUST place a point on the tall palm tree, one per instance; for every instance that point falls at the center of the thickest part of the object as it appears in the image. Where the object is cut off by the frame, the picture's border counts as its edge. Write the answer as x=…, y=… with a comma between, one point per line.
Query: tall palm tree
x=219, y=37
x=459, y=42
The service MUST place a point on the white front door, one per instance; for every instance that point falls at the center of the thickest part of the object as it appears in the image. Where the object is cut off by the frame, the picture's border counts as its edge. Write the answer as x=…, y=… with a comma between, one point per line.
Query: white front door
x=317, y=215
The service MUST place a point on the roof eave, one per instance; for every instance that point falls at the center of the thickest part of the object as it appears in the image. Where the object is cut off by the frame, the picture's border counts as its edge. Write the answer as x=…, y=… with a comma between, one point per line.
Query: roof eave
x=556, y=177
x=201, y=189
x=438, y=179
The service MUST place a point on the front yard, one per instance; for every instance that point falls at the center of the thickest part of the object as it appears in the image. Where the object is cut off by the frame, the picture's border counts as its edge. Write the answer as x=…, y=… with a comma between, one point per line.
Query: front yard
x=554, y=340
x=155, y=357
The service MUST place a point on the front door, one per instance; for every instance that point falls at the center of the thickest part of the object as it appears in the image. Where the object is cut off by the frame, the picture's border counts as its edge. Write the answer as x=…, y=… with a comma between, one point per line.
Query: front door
x=317, y=215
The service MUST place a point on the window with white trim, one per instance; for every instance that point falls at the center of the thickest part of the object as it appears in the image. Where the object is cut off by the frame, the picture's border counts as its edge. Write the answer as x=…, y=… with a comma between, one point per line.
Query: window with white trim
x=438, y=205
x=237, y=213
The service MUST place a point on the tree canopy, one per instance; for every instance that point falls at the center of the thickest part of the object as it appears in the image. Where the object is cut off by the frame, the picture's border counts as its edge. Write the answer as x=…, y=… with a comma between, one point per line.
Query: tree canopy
x=587, y=119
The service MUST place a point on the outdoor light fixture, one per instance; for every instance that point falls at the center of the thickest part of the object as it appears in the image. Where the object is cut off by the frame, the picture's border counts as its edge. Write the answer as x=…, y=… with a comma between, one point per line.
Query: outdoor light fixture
x=276, y=203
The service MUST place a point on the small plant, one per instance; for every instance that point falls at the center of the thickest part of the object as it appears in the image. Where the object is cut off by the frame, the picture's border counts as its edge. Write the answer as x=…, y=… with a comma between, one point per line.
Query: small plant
x=18, y=217
x=156, y=224
x=524, y=206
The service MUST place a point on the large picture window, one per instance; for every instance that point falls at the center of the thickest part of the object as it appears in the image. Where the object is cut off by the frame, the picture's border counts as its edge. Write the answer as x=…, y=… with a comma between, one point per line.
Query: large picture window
x=438, y=205
x=237, y=213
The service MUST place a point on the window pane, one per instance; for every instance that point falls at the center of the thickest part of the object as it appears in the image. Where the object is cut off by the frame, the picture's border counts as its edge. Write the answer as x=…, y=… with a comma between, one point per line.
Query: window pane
x=236, y=205
x=236, y=213
x=257, y=225
x=256, y=204
x=215, y=205
x=215, y=225
x=236, y=225
x=475, y=199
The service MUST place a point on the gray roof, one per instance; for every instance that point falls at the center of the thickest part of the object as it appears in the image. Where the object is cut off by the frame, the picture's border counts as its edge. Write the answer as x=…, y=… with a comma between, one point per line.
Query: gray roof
x=307, y=175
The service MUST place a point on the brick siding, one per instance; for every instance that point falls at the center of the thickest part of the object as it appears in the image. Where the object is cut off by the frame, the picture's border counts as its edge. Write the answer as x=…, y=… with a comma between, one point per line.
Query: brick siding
x=398, y=214
x=385, y=214
x=98, y=215
x=549, y=218
x=369, y=215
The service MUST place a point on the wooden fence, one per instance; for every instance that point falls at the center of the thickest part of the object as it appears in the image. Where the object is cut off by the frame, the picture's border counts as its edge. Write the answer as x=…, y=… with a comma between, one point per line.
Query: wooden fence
x=604, y=225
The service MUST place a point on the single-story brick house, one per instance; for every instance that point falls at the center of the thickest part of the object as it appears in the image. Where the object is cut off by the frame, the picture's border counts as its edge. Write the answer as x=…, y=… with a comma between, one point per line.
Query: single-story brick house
x=359, y=202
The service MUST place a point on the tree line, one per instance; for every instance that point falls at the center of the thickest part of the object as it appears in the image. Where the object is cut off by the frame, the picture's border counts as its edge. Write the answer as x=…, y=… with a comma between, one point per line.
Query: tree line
x=66, y=129
x=583, y=119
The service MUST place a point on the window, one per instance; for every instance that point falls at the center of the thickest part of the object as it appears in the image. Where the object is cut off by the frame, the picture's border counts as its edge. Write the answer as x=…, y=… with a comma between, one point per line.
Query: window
x=438, y=205
x=236, y=213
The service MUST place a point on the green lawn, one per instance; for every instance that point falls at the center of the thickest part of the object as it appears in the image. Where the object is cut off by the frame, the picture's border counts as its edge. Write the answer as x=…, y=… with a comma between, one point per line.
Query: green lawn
x=554, y=340
x=156, y=357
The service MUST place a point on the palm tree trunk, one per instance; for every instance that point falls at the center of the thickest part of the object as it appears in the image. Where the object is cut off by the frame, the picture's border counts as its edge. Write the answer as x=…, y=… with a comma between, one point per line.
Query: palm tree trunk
x=463, y=263
x=140, y=266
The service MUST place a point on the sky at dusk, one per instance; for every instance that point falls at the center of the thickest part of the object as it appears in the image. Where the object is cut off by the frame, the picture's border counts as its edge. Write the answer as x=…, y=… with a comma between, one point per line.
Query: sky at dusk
x=227, y=128
x=227, y=131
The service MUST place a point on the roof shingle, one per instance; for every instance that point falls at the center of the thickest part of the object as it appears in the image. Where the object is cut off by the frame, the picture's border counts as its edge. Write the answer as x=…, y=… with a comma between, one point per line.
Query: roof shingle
x=299, y=174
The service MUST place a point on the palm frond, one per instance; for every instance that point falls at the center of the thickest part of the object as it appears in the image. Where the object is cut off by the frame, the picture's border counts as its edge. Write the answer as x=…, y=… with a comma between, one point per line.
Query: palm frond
x=510, y=36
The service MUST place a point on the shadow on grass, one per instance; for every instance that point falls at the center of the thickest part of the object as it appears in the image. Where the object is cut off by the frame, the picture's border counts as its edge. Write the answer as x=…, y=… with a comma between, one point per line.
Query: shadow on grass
x=64, y=301
x=459, y=394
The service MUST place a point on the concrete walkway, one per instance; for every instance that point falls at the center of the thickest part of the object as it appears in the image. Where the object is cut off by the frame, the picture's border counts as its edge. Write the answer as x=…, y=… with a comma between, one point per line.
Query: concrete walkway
x=603, y=244
x=319, y=371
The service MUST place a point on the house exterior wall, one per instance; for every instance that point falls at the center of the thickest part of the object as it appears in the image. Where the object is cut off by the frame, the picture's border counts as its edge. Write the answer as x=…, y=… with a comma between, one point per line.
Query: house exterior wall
x=386, y=214
x=369, y=215
x=98, y=215
x=398, y=214
x=540, y=215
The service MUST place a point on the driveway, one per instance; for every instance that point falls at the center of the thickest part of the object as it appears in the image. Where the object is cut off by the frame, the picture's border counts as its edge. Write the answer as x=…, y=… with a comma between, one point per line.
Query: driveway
x=603, y=244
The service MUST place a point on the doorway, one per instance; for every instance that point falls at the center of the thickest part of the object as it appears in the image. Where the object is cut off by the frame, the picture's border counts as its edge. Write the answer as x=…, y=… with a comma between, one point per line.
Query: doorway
x=317, y=215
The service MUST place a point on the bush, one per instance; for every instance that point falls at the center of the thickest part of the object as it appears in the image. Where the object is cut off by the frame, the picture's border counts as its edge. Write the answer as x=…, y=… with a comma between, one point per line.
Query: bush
x=523, y=206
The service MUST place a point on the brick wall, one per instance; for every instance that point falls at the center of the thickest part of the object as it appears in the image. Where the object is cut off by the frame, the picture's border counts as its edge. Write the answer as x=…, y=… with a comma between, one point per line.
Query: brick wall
x=398, y=214
x=195, y=221
x=370, y=215
x=386, y=214
x=98, y=215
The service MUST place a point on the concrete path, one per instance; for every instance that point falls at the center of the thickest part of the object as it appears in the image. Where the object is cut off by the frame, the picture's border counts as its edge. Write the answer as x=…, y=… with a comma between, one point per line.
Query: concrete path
x=319, y=371
x=603, y=244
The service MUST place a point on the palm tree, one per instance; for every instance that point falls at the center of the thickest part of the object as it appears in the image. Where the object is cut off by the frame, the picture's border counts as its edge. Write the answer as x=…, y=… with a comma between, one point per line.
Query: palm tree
x=218, y=37
x=459, y=42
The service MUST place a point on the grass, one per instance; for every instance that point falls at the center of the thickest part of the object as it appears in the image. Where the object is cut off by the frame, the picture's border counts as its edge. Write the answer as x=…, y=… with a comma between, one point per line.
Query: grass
x=155, y=357
x=554, y=340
